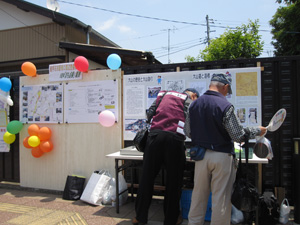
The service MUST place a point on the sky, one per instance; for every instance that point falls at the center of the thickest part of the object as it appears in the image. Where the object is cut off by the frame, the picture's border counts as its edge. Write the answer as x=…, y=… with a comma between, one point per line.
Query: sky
x=170, y=29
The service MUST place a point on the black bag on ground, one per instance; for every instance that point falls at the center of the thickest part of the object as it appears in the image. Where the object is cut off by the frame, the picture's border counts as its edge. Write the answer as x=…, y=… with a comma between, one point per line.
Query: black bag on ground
x=268, y=209
x=245, y=195
x=73, y=188
x=140, y=139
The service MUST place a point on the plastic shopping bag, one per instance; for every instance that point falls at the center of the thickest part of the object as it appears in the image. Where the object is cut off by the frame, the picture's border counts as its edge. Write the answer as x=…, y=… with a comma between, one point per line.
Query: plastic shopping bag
x=284, y=211
x=236, y=215
x=122, y=187
x=263, y=148
x=97, y=185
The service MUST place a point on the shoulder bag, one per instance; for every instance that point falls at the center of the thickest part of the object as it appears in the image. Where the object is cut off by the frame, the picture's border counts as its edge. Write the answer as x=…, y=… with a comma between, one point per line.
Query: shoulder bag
x=141, y=136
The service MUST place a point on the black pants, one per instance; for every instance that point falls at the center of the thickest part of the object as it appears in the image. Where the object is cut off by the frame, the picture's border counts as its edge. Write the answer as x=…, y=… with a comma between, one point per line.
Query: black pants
x=163, y=148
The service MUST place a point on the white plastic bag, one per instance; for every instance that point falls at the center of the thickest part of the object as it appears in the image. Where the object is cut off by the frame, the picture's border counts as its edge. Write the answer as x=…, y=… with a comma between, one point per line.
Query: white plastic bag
x=284, y=211
x=107, y=197
x=96, y=187
x=122, y=187
x=263, y=148
x=236, y=215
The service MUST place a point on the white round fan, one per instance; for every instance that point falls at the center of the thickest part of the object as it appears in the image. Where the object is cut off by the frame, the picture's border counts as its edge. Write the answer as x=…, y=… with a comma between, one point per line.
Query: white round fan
x=53, y=5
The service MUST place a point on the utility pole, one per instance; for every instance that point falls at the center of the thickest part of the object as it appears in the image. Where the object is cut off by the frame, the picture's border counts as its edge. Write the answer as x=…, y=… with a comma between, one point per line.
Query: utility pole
x=207, y=29
x=169, y=61
x=169, y=46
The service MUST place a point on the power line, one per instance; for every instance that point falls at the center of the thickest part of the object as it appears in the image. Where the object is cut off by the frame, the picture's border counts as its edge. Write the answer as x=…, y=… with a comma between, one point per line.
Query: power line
x=181, y=49
x=134, y=15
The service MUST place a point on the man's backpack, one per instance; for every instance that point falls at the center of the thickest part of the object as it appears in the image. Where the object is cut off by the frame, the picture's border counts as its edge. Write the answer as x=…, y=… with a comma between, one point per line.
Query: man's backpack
x=268, y=209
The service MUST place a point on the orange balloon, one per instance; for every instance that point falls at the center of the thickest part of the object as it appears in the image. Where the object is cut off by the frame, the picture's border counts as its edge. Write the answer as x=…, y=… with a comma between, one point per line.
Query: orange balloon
x=25, y=142
x=44, y=133
x=37, y=152
x=28, y=69
x=33, y=130
x=46, y=146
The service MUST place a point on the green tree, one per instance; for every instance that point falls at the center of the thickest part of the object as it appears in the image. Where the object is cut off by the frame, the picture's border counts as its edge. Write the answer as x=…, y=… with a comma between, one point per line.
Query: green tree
x=288, y=2
x=286, y=30
x=243, y=42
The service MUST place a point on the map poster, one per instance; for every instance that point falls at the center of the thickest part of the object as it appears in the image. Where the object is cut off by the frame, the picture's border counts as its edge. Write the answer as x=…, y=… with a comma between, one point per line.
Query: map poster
x=41, y=103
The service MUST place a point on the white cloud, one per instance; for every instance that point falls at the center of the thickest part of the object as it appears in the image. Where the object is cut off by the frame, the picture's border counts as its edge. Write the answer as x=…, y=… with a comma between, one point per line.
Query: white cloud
x=124, y=29
x=107, y=24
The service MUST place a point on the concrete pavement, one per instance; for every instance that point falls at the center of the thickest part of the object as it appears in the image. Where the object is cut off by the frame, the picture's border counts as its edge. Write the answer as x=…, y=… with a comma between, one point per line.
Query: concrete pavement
x=28, y=206
x=25, y=206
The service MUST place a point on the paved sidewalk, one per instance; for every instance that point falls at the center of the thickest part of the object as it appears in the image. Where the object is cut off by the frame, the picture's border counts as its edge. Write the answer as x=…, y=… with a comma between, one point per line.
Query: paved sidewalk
x=24, y=206
x=27, y=206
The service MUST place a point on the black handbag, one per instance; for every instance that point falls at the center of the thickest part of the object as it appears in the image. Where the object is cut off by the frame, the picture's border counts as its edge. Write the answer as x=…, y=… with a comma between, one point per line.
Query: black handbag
x=141, y=136
x=140, y=139
x=73, y=188
x=245, y=195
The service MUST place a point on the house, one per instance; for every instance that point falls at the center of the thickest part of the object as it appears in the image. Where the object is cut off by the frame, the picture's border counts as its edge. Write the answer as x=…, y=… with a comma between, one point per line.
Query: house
x=29, y=32
x=44, y=37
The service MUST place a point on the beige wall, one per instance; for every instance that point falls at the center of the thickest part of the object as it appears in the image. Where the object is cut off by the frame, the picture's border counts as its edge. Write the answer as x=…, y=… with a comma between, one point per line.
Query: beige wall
x=78, y=148
x=31, y=42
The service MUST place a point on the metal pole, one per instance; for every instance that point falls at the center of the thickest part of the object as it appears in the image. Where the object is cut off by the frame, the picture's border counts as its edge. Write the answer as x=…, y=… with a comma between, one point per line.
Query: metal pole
x=296, y=162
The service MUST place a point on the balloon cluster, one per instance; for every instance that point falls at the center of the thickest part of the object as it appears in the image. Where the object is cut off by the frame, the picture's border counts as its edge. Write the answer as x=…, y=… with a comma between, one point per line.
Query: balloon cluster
x=113, y=61
x=107, y=118
x=29, y=69
x=13, y=127
x=38, y=140
x=5, y=86
x=81, y=64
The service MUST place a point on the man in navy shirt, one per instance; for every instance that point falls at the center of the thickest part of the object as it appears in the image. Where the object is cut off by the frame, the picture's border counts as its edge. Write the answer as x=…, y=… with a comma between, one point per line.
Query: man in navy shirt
x=213, y=125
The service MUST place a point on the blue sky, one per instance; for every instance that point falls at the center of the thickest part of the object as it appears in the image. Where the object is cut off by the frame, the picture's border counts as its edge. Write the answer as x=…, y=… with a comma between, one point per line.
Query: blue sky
x=171, y=30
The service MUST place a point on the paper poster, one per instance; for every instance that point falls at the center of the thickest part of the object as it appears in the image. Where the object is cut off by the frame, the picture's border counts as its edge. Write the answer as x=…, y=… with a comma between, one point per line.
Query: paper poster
x=85, y=100
x=41, y=103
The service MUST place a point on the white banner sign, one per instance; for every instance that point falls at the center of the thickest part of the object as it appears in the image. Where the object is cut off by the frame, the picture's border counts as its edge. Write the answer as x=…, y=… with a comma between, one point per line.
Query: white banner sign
x=63, y=72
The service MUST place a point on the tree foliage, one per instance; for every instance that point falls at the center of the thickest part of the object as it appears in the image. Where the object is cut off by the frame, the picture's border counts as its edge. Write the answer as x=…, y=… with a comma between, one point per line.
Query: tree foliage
x=288, y=2
x=243, y=42
x=286, y=30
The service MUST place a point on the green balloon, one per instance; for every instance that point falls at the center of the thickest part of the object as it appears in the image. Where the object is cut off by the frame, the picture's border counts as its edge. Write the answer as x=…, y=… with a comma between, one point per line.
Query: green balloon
x=14, y=126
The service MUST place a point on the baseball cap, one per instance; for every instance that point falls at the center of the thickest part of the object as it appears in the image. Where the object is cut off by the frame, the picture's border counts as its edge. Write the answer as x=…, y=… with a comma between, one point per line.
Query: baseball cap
x=223, y=78
x=192, y=90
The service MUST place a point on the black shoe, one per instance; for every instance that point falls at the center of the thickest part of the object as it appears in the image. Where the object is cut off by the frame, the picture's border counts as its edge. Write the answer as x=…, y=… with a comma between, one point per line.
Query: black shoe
x=136, y=222
x=179, y=220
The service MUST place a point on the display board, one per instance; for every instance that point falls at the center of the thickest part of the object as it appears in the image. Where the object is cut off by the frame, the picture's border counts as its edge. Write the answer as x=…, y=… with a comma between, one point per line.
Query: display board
x=140, y=90
x=78, y=148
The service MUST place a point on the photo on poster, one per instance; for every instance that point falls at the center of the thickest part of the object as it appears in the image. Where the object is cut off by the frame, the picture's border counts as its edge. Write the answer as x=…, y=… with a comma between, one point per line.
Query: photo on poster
x=241, y=115
x=152, y=94
x=252, y=115
x=175, y=85
x=134, y=125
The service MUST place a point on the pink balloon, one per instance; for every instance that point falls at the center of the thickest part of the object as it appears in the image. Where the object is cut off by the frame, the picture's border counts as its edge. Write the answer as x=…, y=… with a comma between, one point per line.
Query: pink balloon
x=107, y=118
x=81, y=64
